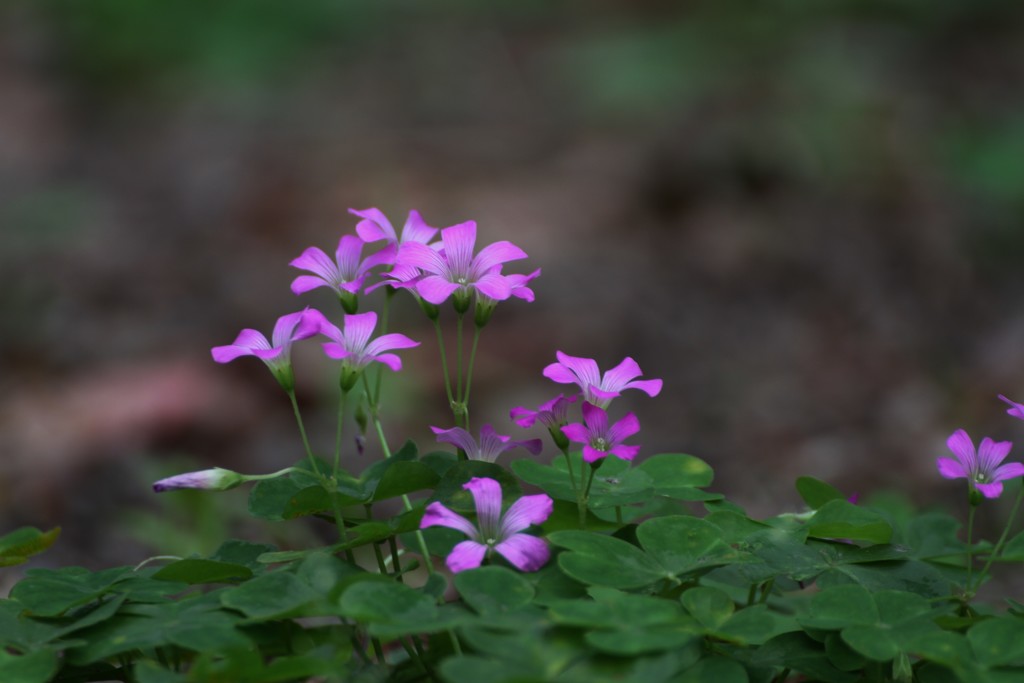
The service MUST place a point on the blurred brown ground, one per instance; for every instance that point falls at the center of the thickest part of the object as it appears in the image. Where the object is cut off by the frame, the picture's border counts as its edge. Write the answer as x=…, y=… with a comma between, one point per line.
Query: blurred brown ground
x=804, y=217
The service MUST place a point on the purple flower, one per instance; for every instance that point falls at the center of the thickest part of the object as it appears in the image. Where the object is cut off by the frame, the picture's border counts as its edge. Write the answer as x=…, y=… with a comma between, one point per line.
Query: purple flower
x=598, y=439
x=344, y=274
x=491, y=444
x=276, y=353
x=216, y=479
x=353, y=347
x=494, y=531
x=597, y=389
x=982, y=470
x=1016, y=409
x=454, y=269
x=375, y=227
x=551, y=414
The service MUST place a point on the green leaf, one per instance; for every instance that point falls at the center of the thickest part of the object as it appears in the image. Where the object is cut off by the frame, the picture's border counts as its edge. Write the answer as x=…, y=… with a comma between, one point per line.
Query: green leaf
x=552, y=481
x=21, y=544
x=271, y=596
x=148, y=671
x=605, y=561
x=715, y=670
x=194, y=570
x=270, y=498
x=998, y=641
x=710, y=606
x=683, y=544
x=755, y=625
x=632, y=642
x=50, y=593
x=242, y=552
x=404, y=477
x=816, y=493
x=477, y=669
x=394, y=609
x=679, y=476
x=33, y=667
x=493, y=590
x=614, y=609
x=841, y=606
x=840, y=519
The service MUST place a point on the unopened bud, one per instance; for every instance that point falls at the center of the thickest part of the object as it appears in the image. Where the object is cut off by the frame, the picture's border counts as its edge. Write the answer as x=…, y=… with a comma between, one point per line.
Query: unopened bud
x=216, y=479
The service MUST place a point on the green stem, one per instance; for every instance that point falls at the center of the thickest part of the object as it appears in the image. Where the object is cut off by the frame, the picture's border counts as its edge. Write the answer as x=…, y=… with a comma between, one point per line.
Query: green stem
x=970, y=546
x=1002, y=539
x=469, y=372
x=395, y=561
x=458, y=352
x=572, y=475
x=390, y=292
x=444, y=365
x=302, y=432
x=342, y=400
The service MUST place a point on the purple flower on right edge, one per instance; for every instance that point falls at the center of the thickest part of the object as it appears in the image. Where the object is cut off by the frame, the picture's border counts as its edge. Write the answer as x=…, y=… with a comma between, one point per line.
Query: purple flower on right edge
x=983, y=468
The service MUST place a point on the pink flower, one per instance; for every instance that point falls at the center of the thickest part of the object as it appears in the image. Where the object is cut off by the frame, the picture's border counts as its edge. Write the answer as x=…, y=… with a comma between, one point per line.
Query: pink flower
x=375, y=227
x=494, y=531
x=491, y=444
x=276, y=353
x=352, y=345
x=983, y=470
x=455, y=270
x=597, y=389
x=598, y=439
x=551, y=414
x=216, y=479
x=345, y=274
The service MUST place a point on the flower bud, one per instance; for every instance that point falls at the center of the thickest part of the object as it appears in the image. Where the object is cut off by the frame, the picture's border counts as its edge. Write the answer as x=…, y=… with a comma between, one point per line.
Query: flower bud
x=216, y=479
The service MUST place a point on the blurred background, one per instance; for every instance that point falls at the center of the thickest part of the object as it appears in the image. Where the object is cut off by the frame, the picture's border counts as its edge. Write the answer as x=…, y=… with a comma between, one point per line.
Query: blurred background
x=804, y=216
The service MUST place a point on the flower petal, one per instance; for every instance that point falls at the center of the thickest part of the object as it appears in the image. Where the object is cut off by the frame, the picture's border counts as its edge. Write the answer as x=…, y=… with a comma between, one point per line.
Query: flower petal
x=459, y=437
x=963, y=448
x=1010, y=470
x=624, y=451
x=527, y=553
x=584, y=370
x=466, y=555
x=386, y=342
x=375, y=226
x=991, y=490
x=526, y=511
x=437, y=514
x=358, y=329
x=390, y=360
x=1016, y=409
x=487, y=496
x=991, y=453
x=305, y=283
x=951, y=469
x=576, y=432
x=226, y=354
x=495, y=254
x=523, y=416
x=459, y=241
x=616, y=378
x=624, y=428
x=651, y=387
x=316, y=261
x=596, y=420
x=416, y=229
x=590, y=454
x=422, y=257
x=435, y=289
x=493, y=285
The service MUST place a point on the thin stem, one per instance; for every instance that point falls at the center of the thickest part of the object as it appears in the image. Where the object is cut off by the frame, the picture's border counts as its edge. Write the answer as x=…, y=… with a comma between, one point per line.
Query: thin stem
x=390, y=293
x=395, y=561
x=568, y=470
x=302, y=432
x=444, y=365
x=378, y=650
x=342, y=400
x=469, y=371
x=970, y=546
x=458, y=352
x=376, y=420
x=1002, y=539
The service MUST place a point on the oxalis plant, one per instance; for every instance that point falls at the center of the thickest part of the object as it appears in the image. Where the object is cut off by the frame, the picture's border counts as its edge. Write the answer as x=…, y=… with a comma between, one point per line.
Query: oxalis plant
x=578, y=561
